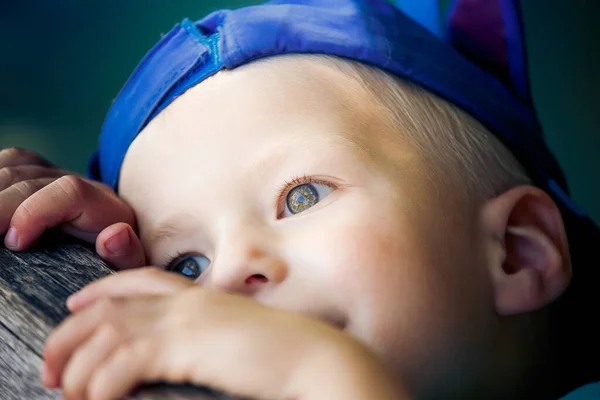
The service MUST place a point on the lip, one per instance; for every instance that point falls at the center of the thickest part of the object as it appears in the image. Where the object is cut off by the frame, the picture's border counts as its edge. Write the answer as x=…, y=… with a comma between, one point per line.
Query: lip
x=336, y=322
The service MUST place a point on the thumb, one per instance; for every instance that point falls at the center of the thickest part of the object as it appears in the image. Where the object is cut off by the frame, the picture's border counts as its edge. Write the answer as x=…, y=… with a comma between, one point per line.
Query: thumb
x=120, y=247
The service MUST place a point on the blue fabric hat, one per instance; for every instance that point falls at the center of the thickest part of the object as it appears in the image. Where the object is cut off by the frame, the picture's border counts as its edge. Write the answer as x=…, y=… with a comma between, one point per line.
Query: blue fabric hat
x=481, y=67
x=369, y=31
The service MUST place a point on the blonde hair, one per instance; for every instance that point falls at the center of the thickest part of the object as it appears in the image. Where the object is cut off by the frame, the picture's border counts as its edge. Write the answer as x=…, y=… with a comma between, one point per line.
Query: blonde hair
x=459, y=147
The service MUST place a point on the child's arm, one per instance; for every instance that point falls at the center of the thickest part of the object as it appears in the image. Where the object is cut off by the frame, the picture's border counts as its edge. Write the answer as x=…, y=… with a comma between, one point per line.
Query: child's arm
x=36, y=195
x=185, y=333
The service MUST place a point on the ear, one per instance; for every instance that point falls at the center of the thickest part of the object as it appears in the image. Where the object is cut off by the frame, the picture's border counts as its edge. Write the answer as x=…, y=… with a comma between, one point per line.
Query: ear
x=529, y=250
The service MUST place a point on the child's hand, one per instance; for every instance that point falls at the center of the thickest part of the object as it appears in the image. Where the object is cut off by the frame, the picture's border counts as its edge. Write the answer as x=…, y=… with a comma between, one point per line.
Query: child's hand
x=36, y=195
x=185, y=333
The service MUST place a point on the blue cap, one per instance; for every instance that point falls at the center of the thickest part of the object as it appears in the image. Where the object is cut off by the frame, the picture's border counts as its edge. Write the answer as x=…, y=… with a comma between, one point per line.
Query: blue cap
x=480, y=67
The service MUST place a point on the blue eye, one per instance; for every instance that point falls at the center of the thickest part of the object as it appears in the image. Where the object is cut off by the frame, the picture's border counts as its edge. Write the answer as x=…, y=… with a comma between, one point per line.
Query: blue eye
x=189, y=266
x=305, y=196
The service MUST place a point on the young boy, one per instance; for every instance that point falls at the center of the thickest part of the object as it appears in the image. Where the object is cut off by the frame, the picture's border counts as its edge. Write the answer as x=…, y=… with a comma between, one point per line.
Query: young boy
x=376, y=218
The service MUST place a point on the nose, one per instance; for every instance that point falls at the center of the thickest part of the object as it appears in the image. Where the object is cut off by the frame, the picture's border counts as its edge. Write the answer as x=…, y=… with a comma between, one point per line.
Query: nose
x=247, y=266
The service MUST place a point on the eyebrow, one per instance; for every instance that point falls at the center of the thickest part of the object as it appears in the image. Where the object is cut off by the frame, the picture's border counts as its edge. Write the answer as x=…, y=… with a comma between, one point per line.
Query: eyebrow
x=168, y=229
x=277, y=155
x=173, y=225
x=352, y=141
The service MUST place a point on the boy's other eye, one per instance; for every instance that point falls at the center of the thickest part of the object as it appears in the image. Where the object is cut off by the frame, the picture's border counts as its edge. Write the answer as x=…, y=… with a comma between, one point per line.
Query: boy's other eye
x=189, y=266
x=304, y=196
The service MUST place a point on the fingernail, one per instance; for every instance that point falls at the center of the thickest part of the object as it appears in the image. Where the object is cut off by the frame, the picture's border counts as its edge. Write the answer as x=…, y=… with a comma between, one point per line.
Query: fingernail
x=117, y=245
x=46, y=377
x=11, y=240
x=44, y=373
x=72, y=300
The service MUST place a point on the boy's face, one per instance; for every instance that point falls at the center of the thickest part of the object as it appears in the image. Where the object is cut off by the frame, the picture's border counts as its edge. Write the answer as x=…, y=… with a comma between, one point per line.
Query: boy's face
x=385, y=253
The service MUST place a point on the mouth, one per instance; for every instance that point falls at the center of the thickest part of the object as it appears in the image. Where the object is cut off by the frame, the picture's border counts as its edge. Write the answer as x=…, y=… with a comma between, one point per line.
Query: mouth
x=336, y=322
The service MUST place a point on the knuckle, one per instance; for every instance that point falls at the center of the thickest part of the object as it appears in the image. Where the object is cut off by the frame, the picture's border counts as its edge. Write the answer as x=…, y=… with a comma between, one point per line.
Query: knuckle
x=138, y=348
x=152, y=272
x=96, y=388
x=11, y=153
x=28, y=187
x=8, y=176
x=109, y=332
x=107, y=309
x=70, y=386
x=32, y=193
x=18, y=156
x=132, y=348
x=72, y=185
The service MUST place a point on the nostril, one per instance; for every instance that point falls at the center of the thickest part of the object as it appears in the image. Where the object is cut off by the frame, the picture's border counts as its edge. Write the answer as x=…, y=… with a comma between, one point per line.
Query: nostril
x=256, y=278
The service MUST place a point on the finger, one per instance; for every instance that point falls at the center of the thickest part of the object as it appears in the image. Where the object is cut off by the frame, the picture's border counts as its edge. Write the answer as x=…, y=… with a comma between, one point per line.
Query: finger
x=85, y=360
x=16, y=156
x=199, y=356
x=248, y=366
x=142, y=281
x=64, y=340
x=12, y=198
x=125, y=369
x=11, y=175
x=128, y=316
x=73, y=200
x=120, y=247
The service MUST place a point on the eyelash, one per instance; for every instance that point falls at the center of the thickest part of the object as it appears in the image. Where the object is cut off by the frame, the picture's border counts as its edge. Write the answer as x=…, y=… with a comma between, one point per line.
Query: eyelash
x=282, y=193
x=172, y=258
x=287, y=186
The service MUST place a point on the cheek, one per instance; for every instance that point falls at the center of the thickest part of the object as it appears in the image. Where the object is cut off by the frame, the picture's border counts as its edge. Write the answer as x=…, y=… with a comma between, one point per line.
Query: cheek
x=358, y=257
x=375, y=267
x=403, y=293
x=373, y=270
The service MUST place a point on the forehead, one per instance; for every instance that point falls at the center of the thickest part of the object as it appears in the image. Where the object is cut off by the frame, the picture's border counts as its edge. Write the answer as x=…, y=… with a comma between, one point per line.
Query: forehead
x=287, y=104
x=278, y=96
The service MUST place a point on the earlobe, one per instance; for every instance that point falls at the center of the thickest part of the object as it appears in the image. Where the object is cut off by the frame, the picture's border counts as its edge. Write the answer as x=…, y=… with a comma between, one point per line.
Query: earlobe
x=532, y=267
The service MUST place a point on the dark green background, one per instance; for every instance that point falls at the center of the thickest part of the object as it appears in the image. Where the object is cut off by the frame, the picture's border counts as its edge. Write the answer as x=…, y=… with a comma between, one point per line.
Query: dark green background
x=62, y=61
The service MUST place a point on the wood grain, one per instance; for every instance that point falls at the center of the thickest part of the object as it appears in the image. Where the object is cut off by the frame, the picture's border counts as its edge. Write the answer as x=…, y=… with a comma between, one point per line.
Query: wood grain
x=34, y=286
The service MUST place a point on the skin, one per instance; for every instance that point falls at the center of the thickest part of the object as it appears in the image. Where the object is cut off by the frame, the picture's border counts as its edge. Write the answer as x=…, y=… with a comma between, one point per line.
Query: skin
x=393, y=283
x=384, y=256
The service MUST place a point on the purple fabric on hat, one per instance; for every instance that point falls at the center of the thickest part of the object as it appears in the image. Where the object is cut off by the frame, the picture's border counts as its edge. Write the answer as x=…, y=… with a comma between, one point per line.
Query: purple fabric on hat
x=476, y=29
x=515, y=49
x=490, y=33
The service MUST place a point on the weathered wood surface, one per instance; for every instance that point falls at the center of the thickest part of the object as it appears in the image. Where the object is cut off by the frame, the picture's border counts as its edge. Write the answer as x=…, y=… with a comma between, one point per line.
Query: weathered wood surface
x=34, y=286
